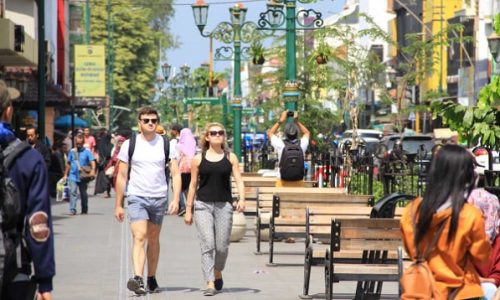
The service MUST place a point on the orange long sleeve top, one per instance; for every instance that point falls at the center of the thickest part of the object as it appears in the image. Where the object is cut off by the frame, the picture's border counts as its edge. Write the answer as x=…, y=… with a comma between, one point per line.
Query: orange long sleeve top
x=447, y=260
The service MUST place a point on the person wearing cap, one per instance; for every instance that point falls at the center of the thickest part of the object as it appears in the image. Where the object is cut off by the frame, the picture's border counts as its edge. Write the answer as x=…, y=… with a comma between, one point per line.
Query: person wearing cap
x=29, y=175
x=291, y=132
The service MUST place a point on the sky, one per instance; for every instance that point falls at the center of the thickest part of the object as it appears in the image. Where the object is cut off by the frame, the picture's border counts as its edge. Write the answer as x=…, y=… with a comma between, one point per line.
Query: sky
x=194, y=49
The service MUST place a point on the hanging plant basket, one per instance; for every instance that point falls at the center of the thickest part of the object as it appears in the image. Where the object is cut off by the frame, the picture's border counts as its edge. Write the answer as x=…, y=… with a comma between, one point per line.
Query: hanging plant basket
x=321, y=59
x=258, y=60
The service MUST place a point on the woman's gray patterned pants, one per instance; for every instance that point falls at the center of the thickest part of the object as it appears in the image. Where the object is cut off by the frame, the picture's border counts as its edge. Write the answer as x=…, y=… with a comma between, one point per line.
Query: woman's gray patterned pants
x=213, y=221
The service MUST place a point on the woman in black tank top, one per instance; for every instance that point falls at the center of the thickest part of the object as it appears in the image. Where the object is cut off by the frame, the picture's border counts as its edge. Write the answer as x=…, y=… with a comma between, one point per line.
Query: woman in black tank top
x=213, y=210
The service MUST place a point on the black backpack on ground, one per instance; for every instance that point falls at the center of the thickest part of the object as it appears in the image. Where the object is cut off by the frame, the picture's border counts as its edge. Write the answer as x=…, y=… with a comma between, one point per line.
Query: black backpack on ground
x=166, y=149
x=12, y=242
x=292, y=161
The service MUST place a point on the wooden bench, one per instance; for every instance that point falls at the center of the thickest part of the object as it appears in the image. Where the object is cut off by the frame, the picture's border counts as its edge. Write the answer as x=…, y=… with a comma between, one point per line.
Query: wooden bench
x=288, y=217
x=265, y=204
x=252, y=185
x=318, y=230
x=375, y=238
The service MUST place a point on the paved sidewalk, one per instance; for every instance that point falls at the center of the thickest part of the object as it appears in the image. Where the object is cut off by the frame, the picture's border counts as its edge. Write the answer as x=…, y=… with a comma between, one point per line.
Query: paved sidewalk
x=93, y=261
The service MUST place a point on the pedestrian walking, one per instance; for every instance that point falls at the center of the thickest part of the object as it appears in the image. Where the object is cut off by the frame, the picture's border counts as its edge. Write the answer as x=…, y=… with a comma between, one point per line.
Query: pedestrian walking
x=213, y=208
x=111, y=169
x=32, y=137
x=102, y=182
x=463, y=243
x=90, y=141
x=29, y=175
x=147, y=196
x=291, y=151
x=57, y=166
x=186, y=149
x=80, y=169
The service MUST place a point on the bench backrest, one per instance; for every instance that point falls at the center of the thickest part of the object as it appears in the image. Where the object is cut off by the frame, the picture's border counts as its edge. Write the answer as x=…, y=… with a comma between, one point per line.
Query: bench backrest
x=259, y=181
x=289, y=203
x=319, y=219
x=365, y=234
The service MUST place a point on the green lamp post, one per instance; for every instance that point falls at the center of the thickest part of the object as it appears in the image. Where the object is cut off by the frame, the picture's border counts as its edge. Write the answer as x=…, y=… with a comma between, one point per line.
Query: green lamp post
x=183, y=81
x=494, y=45
x=273, y=19
x=236, y=32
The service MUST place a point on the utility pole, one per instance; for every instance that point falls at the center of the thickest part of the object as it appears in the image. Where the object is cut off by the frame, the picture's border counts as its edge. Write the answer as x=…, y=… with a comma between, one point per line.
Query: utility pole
x=110, y=65
x=41, y=69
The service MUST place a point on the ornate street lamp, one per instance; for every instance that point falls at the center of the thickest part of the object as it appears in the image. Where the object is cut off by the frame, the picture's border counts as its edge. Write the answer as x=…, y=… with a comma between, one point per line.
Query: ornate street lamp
x=166, y=69
x=494, y=45
x=275, y=18
x=234, y=32
x=185, y=71
x=200, y=13
x=159, y=82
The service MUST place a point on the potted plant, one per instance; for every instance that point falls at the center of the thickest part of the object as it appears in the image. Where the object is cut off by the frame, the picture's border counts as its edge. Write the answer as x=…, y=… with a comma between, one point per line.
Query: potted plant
x=321, y=53
x=257, y=53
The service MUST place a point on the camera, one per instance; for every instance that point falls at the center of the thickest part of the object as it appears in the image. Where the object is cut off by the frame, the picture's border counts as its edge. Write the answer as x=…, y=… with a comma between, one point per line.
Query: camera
x=289, y=114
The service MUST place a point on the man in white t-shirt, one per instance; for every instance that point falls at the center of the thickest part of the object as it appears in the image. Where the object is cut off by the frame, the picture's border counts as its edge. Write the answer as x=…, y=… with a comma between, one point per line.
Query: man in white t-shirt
x=147, y=197
x=291, y=132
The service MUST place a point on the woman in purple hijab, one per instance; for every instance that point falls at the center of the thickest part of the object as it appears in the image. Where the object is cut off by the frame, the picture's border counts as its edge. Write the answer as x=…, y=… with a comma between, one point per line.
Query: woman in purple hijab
x=186, y=149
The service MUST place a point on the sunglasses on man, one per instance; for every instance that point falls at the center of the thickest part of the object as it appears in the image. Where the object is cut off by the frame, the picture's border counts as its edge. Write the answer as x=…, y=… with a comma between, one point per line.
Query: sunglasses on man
x=147, y=120
x=216, y=133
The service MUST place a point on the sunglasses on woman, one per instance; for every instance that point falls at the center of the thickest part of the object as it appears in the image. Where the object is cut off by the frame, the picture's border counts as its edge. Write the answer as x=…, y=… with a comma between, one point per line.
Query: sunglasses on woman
x=147, y=120
x=216, y=133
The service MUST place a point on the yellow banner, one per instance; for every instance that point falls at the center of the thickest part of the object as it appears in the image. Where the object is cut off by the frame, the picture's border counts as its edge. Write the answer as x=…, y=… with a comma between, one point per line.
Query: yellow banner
x=90, y=71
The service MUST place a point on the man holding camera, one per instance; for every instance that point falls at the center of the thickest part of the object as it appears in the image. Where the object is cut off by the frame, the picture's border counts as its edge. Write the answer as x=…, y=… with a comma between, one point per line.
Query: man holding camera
x=290, y=151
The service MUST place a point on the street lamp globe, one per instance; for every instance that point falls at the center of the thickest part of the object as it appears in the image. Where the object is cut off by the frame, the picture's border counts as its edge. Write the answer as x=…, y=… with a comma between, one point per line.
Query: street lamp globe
x=200, y=13
x=185, y=71
x=238, y=13
x=159, y=82
x=494, y=44
x=275, y=13
x=165, y=69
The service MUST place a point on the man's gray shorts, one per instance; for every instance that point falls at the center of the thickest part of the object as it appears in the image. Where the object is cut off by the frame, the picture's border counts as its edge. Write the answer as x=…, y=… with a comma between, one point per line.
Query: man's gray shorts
x=146, y=208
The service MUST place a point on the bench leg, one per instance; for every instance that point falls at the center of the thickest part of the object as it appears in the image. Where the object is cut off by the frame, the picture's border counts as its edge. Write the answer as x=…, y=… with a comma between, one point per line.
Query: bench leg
x=271, y=244
x=258, y=234
x=328, y=276
x=307, y=271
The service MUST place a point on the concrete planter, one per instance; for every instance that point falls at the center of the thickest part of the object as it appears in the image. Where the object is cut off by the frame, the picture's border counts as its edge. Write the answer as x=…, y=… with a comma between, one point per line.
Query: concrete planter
x=239, y=227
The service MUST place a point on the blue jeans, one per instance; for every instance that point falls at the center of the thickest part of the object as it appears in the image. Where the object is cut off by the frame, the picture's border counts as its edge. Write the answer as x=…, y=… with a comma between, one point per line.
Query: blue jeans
x=73, y=196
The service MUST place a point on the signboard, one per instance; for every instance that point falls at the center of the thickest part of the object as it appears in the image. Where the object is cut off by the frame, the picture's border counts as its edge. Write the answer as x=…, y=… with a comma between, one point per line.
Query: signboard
x=248, y=111
x=210, y=100
x=90, y=71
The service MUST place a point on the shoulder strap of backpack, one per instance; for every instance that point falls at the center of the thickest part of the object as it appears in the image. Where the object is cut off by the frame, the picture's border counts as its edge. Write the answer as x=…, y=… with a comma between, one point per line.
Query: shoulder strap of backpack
x=13, y=151
x=166, y=148
x=131, y=149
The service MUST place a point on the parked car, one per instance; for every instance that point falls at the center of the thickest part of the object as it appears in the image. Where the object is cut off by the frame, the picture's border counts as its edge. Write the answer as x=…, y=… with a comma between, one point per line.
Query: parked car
x=369, y=138
x=411, y=144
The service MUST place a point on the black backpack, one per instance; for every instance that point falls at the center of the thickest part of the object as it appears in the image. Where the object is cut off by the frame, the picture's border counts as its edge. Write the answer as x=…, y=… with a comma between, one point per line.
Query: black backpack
x=166, y=149
x=12, y=242
x=292, y=161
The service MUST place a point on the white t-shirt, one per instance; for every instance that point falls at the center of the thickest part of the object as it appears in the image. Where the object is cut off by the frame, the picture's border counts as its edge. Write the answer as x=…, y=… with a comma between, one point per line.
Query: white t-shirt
x=173, y=148
x=147, y=175
x=279, y=145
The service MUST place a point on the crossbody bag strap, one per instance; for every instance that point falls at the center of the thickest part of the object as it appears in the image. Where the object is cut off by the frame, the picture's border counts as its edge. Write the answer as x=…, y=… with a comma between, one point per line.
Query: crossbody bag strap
x=77, y=159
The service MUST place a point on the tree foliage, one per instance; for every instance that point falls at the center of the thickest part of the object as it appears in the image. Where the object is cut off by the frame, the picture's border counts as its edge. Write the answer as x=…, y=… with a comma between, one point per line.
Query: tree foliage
x=475, y=124
x=136, y=41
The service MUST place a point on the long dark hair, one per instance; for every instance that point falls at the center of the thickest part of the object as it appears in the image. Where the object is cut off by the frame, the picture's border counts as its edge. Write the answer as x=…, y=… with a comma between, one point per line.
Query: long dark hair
x=451, y=176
